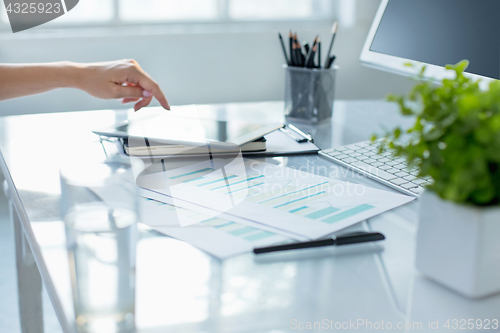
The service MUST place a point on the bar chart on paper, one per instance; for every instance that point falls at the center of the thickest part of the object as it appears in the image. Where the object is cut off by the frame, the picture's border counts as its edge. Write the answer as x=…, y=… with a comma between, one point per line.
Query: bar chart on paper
x=289, y=198
x=221, y=236
x=303, y=204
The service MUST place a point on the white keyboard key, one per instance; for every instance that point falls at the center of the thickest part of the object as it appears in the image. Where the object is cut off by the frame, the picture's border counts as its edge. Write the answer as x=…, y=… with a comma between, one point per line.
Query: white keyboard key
x=399, y=181
x=376, y=164
x=410, y=178
x=409, y=186
x=362, y=151
x=341, y=157
x=350, y=160
x=417, y=190
x=362, y=157
x=419, y=181
x=402, y=174
x=393, y=171
x=377, y=172
x=384, y=167
x=399, y=166
x=385, y=160
x=335, y=153
x=370, y=161
x=392, y=163
x=352, y=147
x=355, y=155
x=377, y=157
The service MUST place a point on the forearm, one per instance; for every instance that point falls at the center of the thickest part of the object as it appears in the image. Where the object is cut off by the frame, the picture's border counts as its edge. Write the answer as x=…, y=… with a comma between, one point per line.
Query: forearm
x=17, y=80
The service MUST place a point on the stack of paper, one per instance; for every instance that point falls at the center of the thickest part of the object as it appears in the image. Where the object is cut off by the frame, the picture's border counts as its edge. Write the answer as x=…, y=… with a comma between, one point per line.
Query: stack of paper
x=228, y=207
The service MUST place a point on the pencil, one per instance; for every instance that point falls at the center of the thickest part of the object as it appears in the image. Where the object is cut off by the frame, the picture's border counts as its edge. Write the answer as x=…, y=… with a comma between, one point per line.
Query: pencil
x=298, y=58
x=292, y=55
x=284, y=49
x=319, y=53
x=310, y=55
x=302, y=57
x=334, y=33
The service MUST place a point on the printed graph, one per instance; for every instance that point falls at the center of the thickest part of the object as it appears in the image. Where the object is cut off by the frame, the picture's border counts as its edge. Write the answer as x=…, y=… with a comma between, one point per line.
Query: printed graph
x=308, y=201
x=234, y=229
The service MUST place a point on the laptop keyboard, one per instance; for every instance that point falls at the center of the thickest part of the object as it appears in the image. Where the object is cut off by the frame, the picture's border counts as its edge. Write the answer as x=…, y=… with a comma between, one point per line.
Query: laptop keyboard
x=393, y=172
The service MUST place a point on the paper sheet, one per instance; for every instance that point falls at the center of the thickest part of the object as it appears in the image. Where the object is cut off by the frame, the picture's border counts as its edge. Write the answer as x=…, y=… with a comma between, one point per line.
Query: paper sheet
x=222, y=236
x=289, y=201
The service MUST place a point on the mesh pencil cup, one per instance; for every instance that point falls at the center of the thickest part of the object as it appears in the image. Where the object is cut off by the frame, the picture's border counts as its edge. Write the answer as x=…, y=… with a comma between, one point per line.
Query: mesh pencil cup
x=309, y=94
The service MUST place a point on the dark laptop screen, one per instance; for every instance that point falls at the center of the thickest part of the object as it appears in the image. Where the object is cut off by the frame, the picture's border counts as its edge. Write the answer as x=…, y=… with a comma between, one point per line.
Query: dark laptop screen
x=441, y=32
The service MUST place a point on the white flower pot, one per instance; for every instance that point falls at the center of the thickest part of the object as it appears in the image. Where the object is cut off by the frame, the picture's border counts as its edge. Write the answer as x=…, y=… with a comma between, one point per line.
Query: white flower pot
x=459, y=245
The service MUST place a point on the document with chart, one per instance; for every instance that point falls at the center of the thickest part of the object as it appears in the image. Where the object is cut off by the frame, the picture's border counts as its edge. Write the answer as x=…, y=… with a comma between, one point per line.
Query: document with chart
x=289, y=201
x=222, y=236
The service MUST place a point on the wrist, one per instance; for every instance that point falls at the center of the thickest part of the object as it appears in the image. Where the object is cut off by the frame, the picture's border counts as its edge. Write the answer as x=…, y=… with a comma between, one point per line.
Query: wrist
x=71, y=74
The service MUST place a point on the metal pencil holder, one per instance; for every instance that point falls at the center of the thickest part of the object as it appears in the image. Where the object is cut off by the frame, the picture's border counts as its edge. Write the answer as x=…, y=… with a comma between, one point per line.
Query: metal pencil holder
x=309, y=94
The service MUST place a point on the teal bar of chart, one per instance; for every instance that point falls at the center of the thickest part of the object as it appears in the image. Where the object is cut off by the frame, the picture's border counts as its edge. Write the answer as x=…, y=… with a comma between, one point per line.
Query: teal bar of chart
x=298, y=209
x=299, y=199
x=244, y=188
x=259, y=236
x=218, y=180
x=193, y=180
x=242, y=231
x=294, y=192
x=348, y=213
x=241, y=181
x=191, y=173
x=322, y=213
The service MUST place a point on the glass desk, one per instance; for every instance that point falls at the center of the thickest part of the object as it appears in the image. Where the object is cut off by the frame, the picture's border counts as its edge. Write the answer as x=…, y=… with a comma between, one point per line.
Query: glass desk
x=182, y=289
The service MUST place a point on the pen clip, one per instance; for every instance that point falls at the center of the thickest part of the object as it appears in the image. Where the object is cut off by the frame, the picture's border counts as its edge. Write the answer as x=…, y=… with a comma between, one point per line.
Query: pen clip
x=307, y=136
x=302, y=140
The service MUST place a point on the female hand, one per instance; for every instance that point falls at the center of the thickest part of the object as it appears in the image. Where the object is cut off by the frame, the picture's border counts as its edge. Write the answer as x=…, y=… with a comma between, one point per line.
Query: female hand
x=123, y=79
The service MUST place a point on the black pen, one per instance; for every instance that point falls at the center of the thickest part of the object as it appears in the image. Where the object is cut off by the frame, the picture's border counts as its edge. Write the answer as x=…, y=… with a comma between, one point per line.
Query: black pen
x=284, y=49
x=334, y=33
x=306, y=47
x=330, y=62
x=351, y=238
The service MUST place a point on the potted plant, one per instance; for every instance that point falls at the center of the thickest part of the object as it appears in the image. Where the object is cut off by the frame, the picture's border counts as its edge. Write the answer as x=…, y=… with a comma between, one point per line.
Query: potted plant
x=455, y=140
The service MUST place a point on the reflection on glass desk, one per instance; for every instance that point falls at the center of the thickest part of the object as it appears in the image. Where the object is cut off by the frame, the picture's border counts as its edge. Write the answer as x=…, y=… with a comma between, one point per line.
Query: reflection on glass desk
x=182, y=289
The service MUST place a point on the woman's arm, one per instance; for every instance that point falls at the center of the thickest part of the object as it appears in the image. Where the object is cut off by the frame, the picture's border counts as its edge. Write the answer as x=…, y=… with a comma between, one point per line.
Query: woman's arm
x=123, y=79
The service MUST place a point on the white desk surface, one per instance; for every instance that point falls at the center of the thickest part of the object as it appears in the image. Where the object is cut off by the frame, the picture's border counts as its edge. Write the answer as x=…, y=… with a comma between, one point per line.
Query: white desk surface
x=181, y=289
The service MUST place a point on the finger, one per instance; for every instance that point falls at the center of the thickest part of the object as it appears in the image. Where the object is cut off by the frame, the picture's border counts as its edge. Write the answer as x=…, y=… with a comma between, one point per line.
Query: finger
x=129, y=100
x=149, y=85
x=142, y=103
x=127, y=92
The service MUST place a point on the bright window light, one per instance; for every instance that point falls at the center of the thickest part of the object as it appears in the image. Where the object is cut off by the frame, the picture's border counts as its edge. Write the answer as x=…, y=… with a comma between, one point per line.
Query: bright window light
x=88, y=11
x=265, y=9
x=168, y=10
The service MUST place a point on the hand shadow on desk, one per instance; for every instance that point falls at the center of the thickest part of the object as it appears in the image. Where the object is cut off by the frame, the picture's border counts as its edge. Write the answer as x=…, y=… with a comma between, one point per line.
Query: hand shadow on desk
x=320, y=253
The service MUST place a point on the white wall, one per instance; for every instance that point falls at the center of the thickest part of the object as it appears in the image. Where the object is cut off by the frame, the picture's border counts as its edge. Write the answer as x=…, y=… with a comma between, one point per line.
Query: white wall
x=204, y=66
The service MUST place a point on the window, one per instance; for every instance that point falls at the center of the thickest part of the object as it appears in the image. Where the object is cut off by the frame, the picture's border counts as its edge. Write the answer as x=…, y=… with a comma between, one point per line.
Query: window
x=127, y=12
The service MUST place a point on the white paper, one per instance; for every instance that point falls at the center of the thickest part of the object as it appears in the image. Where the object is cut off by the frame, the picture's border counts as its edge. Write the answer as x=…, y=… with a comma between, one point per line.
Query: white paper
x=287, y=200
x=222, y=236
